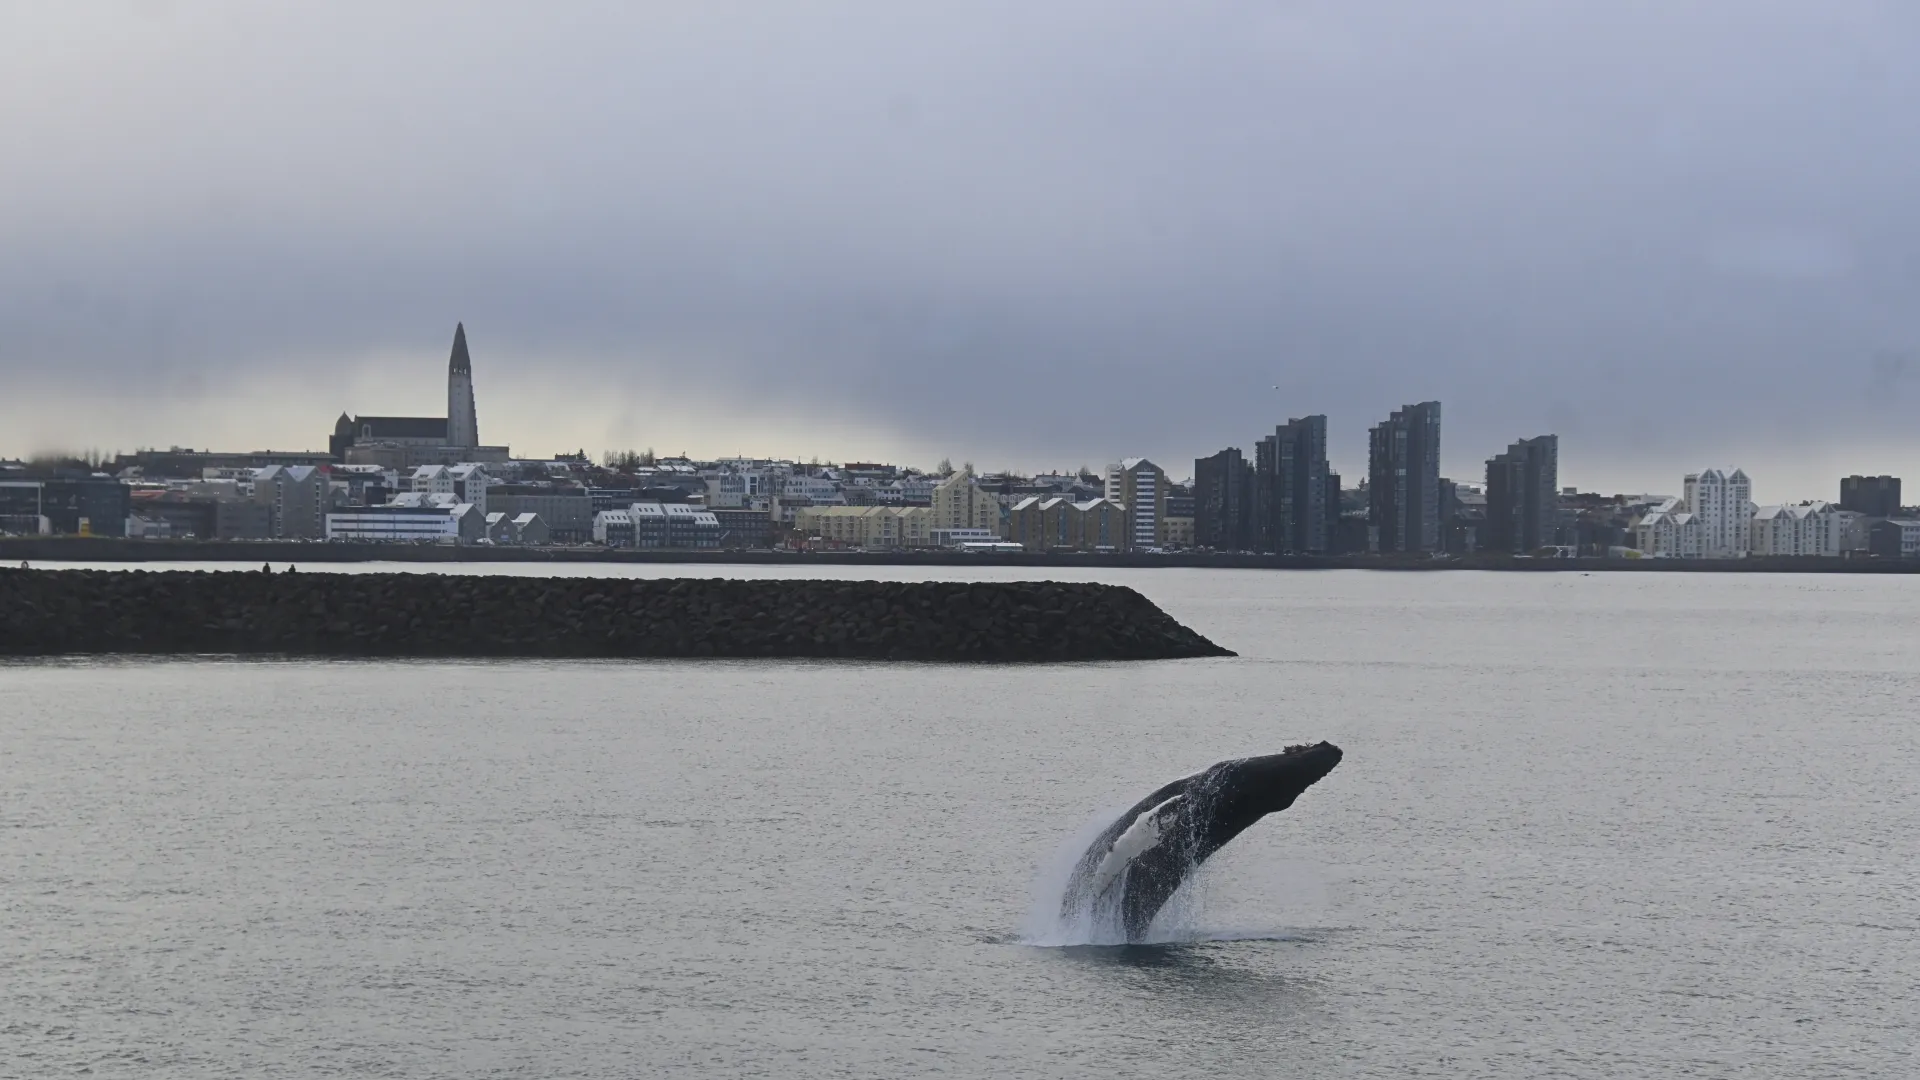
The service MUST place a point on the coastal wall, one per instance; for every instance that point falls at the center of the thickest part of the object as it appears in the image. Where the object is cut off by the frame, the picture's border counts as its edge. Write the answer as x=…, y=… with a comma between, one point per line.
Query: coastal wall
x=15, y=550
x=57, y=612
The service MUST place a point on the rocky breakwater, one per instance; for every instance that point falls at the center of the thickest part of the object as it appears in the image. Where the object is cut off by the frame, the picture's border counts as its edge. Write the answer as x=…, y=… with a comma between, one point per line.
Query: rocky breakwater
x=326, y=614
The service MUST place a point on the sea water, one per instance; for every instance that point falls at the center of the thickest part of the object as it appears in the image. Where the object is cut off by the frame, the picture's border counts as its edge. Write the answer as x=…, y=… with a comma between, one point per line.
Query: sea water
x=1606, y=826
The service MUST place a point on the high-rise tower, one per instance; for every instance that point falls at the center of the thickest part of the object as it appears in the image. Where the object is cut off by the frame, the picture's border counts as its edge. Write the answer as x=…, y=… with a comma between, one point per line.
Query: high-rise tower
x=463, y=424
x=1403, y=479
x=1523, y=496
x=1291, y=498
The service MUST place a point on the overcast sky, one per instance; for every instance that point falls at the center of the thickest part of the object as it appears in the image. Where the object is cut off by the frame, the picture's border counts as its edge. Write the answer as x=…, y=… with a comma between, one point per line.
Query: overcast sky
x=1027, y=235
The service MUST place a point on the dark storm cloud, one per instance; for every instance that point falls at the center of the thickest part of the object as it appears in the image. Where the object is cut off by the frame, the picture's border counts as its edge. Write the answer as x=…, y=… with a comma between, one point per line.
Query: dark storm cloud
x=1028, y=233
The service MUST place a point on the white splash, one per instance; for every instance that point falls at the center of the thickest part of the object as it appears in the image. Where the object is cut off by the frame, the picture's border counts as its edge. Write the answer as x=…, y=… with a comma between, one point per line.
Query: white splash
x=1090, y=915
x=1248, y=894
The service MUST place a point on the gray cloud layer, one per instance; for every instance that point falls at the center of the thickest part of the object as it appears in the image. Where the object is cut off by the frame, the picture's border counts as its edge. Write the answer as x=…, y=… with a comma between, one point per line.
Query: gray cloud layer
x=1024, y=234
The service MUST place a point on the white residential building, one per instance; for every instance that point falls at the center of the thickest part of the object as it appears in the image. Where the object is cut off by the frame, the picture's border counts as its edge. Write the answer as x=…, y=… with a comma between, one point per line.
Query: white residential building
x=1809, y=528
x=1723, y=504
x=819, y=490
x=465, y=483
x=470, y=484
x=658, y=525
x=431, y=479
x=1669, y=531
x=744, y=489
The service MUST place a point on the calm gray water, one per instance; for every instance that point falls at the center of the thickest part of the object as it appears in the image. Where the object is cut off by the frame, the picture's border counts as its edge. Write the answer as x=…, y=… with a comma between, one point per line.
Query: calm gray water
x=1609, y=826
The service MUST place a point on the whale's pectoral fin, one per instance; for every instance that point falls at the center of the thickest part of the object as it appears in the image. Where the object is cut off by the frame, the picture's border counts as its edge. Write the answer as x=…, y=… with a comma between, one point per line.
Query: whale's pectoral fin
x=1142, y=836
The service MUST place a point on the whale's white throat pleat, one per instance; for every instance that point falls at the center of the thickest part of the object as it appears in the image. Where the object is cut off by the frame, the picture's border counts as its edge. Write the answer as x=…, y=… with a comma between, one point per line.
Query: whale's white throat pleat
x=1141, y=837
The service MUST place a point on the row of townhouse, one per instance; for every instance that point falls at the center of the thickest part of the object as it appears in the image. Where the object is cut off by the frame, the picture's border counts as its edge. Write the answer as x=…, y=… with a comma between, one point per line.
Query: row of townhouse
x=1717, y=519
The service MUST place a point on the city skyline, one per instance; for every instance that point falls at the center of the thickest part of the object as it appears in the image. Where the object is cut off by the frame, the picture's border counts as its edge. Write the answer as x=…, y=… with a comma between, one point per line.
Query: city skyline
x=396, y=478
x=1808, y=479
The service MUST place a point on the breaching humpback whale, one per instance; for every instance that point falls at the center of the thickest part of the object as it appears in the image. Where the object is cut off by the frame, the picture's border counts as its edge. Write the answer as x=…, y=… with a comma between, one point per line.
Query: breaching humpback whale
x=1136, y=863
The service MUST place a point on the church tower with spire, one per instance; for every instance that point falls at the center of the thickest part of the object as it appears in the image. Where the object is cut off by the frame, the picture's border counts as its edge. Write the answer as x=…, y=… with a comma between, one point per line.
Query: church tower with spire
x=463, y=424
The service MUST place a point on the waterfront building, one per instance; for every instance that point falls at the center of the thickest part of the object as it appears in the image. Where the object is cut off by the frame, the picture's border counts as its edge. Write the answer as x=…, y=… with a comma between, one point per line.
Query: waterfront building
x=450, y=523
x=296, y=498
x=873, y=528
x=1058, y=523
x=1523, y=497
x=1722, y=503
x=516, y=529
x=746, y=528
x=73, y=506
x=1463, y=517
x=960, y=502
x=1403, y=479
x=657, y=525
x=1293, y=502
x=1141, y=487
x=1669, y=531
x=966, y=538
x=1222, y=501
x=1895, y=538
x=1873, y=496
x=1180, y=500
x=241, y=519
x=1809, y=528
x=469, y=482
x=1177, y=531
x=160, y=513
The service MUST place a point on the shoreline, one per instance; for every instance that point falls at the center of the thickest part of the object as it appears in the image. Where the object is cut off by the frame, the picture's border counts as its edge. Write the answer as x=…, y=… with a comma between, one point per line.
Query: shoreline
x=14, y=550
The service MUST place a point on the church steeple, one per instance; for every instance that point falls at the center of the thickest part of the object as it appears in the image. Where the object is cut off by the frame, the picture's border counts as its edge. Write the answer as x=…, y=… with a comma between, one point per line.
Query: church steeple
x=463, y=424
x=459, y=363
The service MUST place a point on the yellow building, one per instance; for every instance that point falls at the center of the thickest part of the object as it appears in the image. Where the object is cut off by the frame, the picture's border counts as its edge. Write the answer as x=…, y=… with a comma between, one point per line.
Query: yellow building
x=1060, y=524
x=1141, y=487
x=959, y=502
x=875, y=528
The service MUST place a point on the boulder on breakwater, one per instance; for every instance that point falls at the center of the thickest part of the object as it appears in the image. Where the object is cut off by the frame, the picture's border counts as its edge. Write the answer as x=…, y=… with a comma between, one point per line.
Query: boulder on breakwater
x=54, y=612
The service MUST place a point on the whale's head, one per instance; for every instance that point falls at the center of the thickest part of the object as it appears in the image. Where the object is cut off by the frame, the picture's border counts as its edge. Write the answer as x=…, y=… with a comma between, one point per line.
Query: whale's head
x=1251, y=788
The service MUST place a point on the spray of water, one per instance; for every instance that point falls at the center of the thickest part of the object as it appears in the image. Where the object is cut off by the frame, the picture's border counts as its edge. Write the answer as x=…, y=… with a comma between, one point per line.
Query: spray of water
x=1056, y=918
x=1059, y=917
x=1091, y=916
